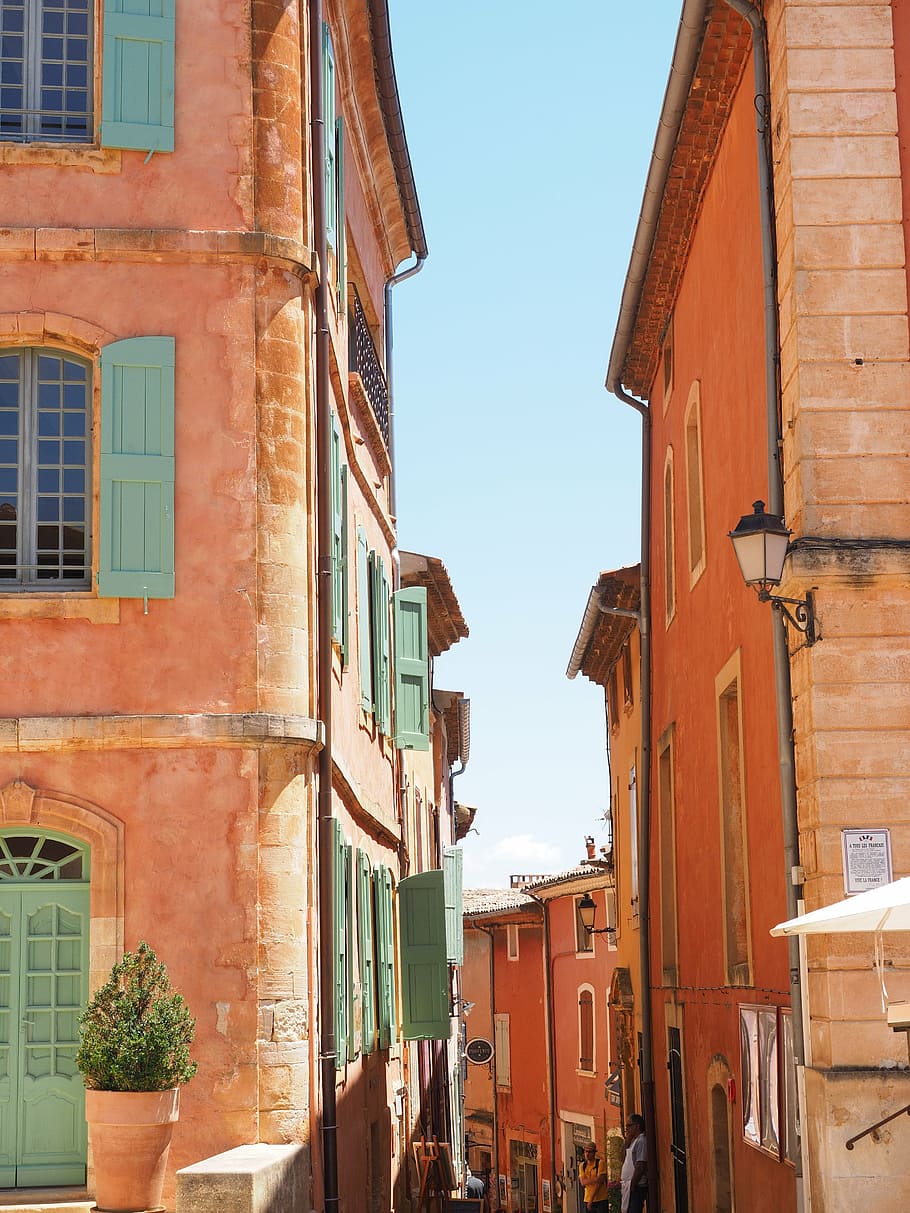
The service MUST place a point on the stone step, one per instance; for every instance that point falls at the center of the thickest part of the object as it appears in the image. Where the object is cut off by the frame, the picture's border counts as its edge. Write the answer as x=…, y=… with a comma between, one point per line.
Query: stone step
x=46, y=1200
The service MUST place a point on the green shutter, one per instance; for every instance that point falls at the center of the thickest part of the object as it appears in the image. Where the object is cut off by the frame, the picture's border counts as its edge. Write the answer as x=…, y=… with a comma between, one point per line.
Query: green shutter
x=339, y=542
x=341, y=268
x=137, y=88
x=365, y=950
x=136, y=543
x=385, y=955
x=424, y=966
x=412, y=670
x=452, y=869
x=328, y=135
x=340, y=934
x=349, y=921
x=379, y=597
x=364, y=622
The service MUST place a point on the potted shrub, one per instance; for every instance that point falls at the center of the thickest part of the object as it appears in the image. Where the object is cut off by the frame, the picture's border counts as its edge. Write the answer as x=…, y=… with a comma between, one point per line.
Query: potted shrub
x=134, y=1055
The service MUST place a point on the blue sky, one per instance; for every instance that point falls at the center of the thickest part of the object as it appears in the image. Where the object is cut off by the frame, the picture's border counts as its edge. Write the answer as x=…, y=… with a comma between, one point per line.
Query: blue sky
x=530, y=128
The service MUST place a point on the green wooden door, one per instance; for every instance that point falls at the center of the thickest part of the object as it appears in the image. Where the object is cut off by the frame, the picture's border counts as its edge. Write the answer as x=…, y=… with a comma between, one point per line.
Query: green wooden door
x=43, y=976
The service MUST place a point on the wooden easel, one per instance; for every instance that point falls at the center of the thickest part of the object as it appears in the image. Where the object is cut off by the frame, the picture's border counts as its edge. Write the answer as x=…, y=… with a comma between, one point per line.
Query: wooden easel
x=437, y=1175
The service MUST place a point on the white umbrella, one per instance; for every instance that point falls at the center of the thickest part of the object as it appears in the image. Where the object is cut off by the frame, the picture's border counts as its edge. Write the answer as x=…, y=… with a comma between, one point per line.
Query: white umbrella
x=886, y=908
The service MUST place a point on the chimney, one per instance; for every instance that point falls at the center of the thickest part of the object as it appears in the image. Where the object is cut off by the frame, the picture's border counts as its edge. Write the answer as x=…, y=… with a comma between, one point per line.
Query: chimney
x=589, y=845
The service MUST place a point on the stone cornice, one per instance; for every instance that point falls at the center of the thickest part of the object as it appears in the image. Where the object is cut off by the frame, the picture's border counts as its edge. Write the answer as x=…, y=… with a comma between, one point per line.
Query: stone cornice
x=156, y=245
x=815, y=556
x=35, y=734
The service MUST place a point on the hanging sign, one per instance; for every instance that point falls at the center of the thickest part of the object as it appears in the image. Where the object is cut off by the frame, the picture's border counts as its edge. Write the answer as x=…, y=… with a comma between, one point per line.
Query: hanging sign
x=867, y=859
x=479, y=1051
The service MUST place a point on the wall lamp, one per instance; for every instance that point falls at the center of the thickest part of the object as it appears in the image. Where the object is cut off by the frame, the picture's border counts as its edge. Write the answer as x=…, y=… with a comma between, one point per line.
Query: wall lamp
x=587, y=912
x=760, y=542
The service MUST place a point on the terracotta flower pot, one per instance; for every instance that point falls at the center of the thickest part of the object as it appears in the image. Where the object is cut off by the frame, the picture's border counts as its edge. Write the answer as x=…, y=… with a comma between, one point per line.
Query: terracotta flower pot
x=130, y=1135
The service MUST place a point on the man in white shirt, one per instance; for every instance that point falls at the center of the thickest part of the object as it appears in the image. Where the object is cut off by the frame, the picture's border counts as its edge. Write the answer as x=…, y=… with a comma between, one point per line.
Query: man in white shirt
x=634, y=1174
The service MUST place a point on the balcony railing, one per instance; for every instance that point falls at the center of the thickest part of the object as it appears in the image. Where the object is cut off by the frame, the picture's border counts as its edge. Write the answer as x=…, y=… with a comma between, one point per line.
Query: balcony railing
x=364, y=361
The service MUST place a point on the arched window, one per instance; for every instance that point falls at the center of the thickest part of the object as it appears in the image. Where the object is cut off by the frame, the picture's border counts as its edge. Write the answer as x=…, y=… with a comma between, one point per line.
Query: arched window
x=32, y=856
x=669, y=540
x=45, y=462
x=586, y=1029
x=695, y=494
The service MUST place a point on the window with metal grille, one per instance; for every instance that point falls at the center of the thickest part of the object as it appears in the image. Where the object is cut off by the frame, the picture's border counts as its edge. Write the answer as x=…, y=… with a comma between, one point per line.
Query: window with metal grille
x=586, y=1030
x=46, y=84
x=45, y=456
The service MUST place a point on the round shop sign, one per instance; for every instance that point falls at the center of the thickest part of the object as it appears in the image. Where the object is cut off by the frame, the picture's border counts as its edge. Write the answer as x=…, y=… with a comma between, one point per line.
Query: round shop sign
x=478, y=1050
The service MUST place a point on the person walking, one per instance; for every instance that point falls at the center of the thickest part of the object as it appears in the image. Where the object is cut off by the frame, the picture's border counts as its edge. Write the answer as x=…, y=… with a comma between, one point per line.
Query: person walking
x=634, y=1173
x=592, y=1172
x=473, y=1187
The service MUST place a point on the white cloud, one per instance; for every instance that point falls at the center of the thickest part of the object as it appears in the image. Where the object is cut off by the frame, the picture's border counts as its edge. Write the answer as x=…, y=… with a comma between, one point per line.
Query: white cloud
x=489, y=865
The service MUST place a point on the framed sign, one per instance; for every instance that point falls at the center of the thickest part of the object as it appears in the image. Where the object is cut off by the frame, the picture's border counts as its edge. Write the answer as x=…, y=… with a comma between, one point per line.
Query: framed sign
x=478, y=1050
x=503, y=1190
x=867, y=859
x=545, y=1190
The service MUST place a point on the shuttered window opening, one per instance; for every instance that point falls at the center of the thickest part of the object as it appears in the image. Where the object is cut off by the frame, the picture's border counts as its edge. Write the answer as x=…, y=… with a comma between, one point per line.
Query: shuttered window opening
x=136, y=543
x=364, y=622
x=340, y=609
x=586, y=1030
x=342, y=923
x=365, y=951
x=381, y=646
x=45, y=467
x=385, y=956
x=452, y=880
x=137, y=93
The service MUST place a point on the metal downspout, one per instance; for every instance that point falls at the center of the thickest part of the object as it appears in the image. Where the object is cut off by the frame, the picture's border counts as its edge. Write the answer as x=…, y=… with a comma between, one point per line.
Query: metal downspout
x=328, y=1044
x=548, y=1018
x=782, y=685
x=644, y=801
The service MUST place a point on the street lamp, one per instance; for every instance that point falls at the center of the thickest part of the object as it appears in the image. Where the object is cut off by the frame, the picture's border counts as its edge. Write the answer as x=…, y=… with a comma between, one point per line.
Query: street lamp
x=760, y=542
x=587, y=912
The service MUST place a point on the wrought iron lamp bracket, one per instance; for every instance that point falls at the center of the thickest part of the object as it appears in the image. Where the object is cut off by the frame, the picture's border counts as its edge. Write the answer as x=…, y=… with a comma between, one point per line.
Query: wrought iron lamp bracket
x=802, y=617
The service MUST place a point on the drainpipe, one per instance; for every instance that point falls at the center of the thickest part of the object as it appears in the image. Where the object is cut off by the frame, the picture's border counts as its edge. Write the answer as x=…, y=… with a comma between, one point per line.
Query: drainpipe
x=644, y=800
x=783, y=690
x=328, y=1044
x=548, y=1021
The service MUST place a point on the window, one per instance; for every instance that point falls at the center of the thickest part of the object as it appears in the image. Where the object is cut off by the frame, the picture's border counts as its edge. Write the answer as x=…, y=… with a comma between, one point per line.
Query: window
x=633, y=839
x=365, y=956
x=384, y=934
x=45, y=465
x=669, y=540
x=46, y=71
x=613, y=699
x=586, y=1029
x=342, y=924
x=412, y=669
x=669, y=943
x=339, y=542
x=333, y=127
x=768, y=1080
x=584, y=942
x=373, y=633
x=628, y=692
x=512, y=941
x=733, y=826
x=695, y=484
x=502, y=1050
x=666, y=353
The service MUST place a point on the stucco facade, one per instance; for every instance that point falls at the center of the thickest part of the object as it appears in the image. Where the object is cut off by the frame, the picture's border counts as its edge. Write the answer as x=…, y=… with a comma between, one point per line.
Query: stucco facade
x=176, y=736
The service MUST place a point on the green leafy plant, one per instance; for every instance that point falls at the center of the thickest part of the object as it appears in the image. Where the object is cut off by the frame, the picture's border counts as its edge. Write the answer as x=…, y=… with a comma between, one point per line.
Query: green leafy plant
x=614, y=1197
x=136, y=1032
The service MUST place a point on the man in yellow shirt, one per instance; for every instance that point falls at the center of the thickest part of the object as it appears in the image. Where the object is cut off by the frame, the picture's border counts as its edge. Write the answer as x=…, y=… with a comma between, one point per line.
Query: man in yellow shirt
x=593, y=1174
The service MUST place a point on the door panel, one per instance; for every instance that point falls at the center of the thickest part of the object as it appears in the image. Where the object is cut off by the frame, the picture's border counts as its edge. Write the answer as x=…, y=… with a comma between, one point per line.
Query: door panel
x=43, y=973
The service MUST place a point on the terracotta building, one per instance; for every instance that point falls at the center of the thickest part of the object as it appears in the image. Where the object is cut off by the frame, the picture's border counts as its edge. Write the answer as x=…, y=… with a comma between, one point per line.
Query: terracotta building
x=763, y=338
x=214, y=675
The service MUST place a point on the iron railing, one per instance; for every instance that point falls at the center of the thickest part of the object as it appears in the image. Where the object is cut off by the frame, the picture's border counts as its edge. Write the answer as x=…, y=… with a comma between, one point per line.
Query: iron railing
x=364, y=361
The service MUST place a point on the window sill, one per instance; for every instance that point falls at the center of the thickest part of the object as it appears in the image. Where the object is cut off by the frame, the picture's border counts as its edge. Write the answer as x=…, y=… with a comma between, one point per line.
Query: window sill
x=62, y=155
x=59, y=606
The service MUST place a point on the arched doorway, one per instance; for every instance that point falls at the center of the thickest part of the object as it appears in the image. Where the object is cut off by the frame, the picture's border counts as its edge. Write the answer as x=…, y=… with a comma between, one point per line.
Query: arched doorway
x=720, y=1135
x=44, y=966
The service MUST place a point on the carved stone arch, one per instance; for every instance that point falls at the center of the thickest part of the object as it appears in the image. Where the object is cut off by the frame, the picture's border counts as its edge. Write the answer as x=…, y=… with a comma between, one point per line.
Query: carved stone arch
x=54, y=329
x=23, y=805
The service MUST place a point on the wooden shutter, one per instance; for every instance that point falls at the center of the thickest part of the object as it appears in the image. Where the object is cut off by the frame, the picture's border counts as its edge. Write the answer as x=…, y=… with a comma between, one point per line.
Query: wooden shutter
x=364, y=622
x=424, y=966
x=349, y=921
x=365, y=950
x=340, y=935
x=379, y=586
x=137, y=88
x=341, y=267
x=586, y=1030
x=452, y=873
x=412, y=670
x=328, y=128
x=136, y=544
x=385, y=955
x=339, y=541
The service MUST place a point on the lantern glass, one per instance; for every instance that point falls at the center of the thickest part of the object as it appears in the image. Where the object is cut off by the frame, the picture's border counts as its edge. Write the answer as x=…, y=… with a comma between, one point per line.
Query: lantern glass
x=587, y=911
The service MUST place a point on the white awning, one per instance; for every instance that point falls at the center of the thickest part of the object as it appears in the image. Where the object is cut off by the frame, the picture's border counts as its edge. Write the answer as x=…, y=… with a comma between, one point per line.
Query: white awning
x=886, y=908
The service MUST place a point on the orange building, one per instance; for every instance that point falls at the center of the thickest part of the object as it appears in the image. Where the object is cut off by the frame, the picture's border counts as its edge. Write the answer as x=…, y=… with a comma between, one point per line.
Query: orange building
x=217, y=733
x=763, y=338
